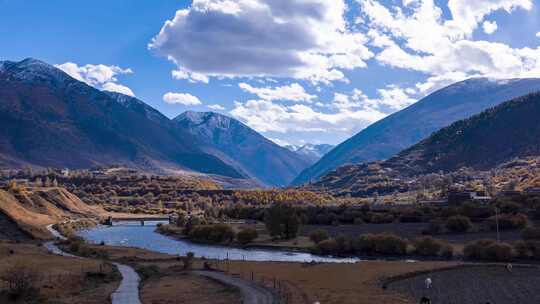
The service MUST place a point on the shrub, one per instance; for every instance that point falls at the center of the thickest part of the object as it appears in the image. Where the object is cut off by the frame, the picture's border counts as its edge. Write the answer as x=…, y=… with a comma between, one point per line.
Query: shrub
x=148, y=271
x=458, y=224
x=327, y=247
x=318, y=235
x=427, y=246
x=21, y=281
x=218, y=233
x=447, y=251
x=508, y=221
x=188, y=260
x=527, y=249
x=386, y=244
x=246, y=235
x=488, y=250
x=531, y=233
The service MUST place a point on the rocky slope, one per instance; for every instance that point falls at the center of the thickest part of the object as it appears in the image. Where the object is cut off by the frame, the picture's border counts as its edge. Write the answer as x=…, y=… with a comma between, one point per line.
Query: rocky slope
x=400, y=130
x=242, y=147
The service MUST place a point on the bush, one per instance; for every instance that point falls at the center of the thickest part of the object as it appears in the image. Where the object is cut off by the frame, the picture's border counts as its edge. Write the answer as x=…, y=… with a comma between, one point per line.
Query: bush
x=21, y=281
x=218, y=233
x=319, y=235
x=527, y=249
x=427, y=246
x=508, y=221
x=531, y=233
x=385, y=244
x=246, y=235
x=458, y=224
x=327, y=247
x=488, y=250
x=147, y=272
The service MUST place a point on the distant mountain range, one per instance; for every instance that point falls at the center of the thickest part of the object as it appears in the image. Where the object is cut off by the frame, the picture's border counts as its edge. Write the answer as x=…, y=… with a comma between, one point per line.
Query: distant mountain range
x=482, y=142
x=49, y=119
x=402, y=129
x=311, y=152
x=243, y=148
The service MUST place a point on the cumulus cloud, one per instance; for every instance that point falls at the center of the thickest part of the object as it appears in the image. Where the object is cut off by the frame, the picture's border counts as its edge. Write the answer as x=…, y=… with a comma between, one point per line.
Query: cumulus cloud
x=489, y=27
x=444, y=49
x=267, y=116
x=302, y=39
x=216, y=107
x=538, y=34
x=100, y=76
x=181, y=98
x=293, y=92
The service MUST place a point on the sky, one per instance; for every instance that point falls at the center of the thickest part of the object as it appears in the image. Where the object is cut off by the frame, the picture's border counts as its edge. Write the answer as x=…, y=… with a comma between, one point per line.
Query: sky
x=297, y=71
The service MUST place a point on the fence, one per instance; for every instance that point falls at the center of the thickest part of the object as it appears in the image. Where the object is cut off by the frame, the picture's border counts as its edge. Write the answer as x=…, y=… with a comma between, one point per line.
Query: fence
x=280, y=288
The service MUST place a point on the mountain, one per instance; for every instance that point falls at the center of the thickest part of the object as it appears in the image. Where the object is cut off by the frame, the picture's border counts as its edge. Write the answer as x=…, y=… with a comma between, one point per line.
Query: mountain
x=491, y=139
x=508, y=131
x=311, y=152
x=402, y=129
x=49, y=119
x=242, y=147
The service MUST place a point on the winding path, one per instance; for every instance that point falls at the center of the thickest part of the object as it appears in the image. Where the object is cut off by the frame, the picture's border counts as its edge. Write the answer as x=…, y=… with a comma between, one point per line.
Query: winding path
x=252, y=293
x=127, y=292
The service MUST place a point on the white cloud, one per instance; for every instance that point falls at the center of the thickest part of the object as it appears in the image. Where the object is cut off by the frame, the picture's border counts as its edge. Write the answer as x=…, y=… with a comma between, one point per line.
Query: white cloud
x=100, y=76
x=216, y=107
x=293, y=92
x=490, y=27
x=538, y=34
x=181, y=98
x=280, y=142
x=115, y=87
x=302, y=39
x=267, y=116
x=443, y=49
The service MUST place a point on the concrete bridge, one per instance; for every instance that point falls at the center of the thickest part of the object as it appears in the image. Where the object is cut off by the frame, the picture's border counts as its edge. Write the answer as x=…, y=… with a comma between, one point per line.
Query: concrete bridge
x=110, y=220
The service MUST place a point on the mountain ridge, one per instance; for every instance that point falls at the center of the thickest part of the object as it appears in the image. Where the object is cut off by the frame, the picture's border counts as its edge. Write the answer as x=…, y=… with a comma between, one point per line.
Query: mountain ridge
x=404, y=128
x=242, y=147
x=50, y=119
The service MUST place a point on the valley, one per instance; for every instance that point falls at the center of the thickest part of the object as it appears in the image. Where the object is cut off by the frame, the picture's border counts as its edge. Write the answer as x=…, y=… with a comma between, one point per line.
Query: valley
x=199, y=206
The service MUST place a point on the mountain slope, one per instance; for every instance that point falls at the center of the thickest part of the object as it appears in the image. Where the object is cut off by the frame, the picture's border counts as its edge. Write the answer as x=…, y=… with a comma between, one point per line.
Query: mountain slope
x=311, y=152
x=242, y=147
x=49, y=119
x=402, y=129
x=481, y=142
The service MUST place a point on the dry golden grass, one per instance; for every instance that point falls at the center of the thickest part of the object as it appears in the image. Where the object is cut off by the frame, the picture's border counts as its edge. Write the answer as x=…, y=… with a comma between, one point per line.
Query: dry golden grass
x=61, y=279
x=187, y=288
x=337, y=283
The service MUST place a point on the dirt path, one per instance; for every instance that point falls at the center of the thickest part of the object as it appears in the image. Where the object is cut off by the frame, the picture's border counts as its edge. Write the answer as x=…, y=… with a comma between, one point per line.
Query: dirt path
x=127, y=292
x=251, y=293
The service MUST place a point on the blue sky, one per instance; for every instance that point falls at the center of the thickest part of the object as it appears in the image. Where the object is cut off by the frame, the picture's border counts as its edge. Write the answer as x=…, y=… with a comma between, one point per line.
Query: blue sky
x=295, y=70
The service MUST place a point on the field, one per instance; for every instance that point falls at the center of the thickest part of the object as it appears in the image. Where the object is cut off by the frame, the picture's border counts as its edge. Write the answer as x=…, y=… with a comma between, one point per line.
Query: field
x=358, y=283
x=175, y=288
x=59, y=280
x=473, y=285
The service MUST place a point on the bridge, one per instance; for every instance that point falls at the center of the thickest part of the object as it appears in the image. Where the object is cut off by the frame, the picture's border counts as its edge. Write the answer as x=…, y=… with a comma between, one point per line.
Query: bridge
x=150, y=218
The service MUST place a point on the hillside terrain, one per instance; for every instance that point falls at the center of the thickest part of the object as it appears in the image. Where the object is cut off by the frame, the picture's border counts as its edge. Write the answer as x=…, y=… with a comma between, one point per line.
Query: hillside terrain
x=243, y=148
x=402, y=129
x=500, y=143
x=48, y=119
x=28, y=211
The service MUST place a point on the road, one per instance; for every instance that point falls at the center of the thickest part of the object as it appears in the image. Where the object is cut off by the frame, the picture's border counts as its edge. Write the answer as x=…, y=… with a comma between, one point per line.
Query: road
x=251, y=293
x=127, y=292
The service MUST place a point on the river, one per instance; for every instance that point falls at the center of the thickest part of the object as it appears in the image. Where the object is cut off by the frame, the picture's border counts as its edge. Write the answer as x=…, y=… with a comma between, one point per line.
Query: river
x=132, y=234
